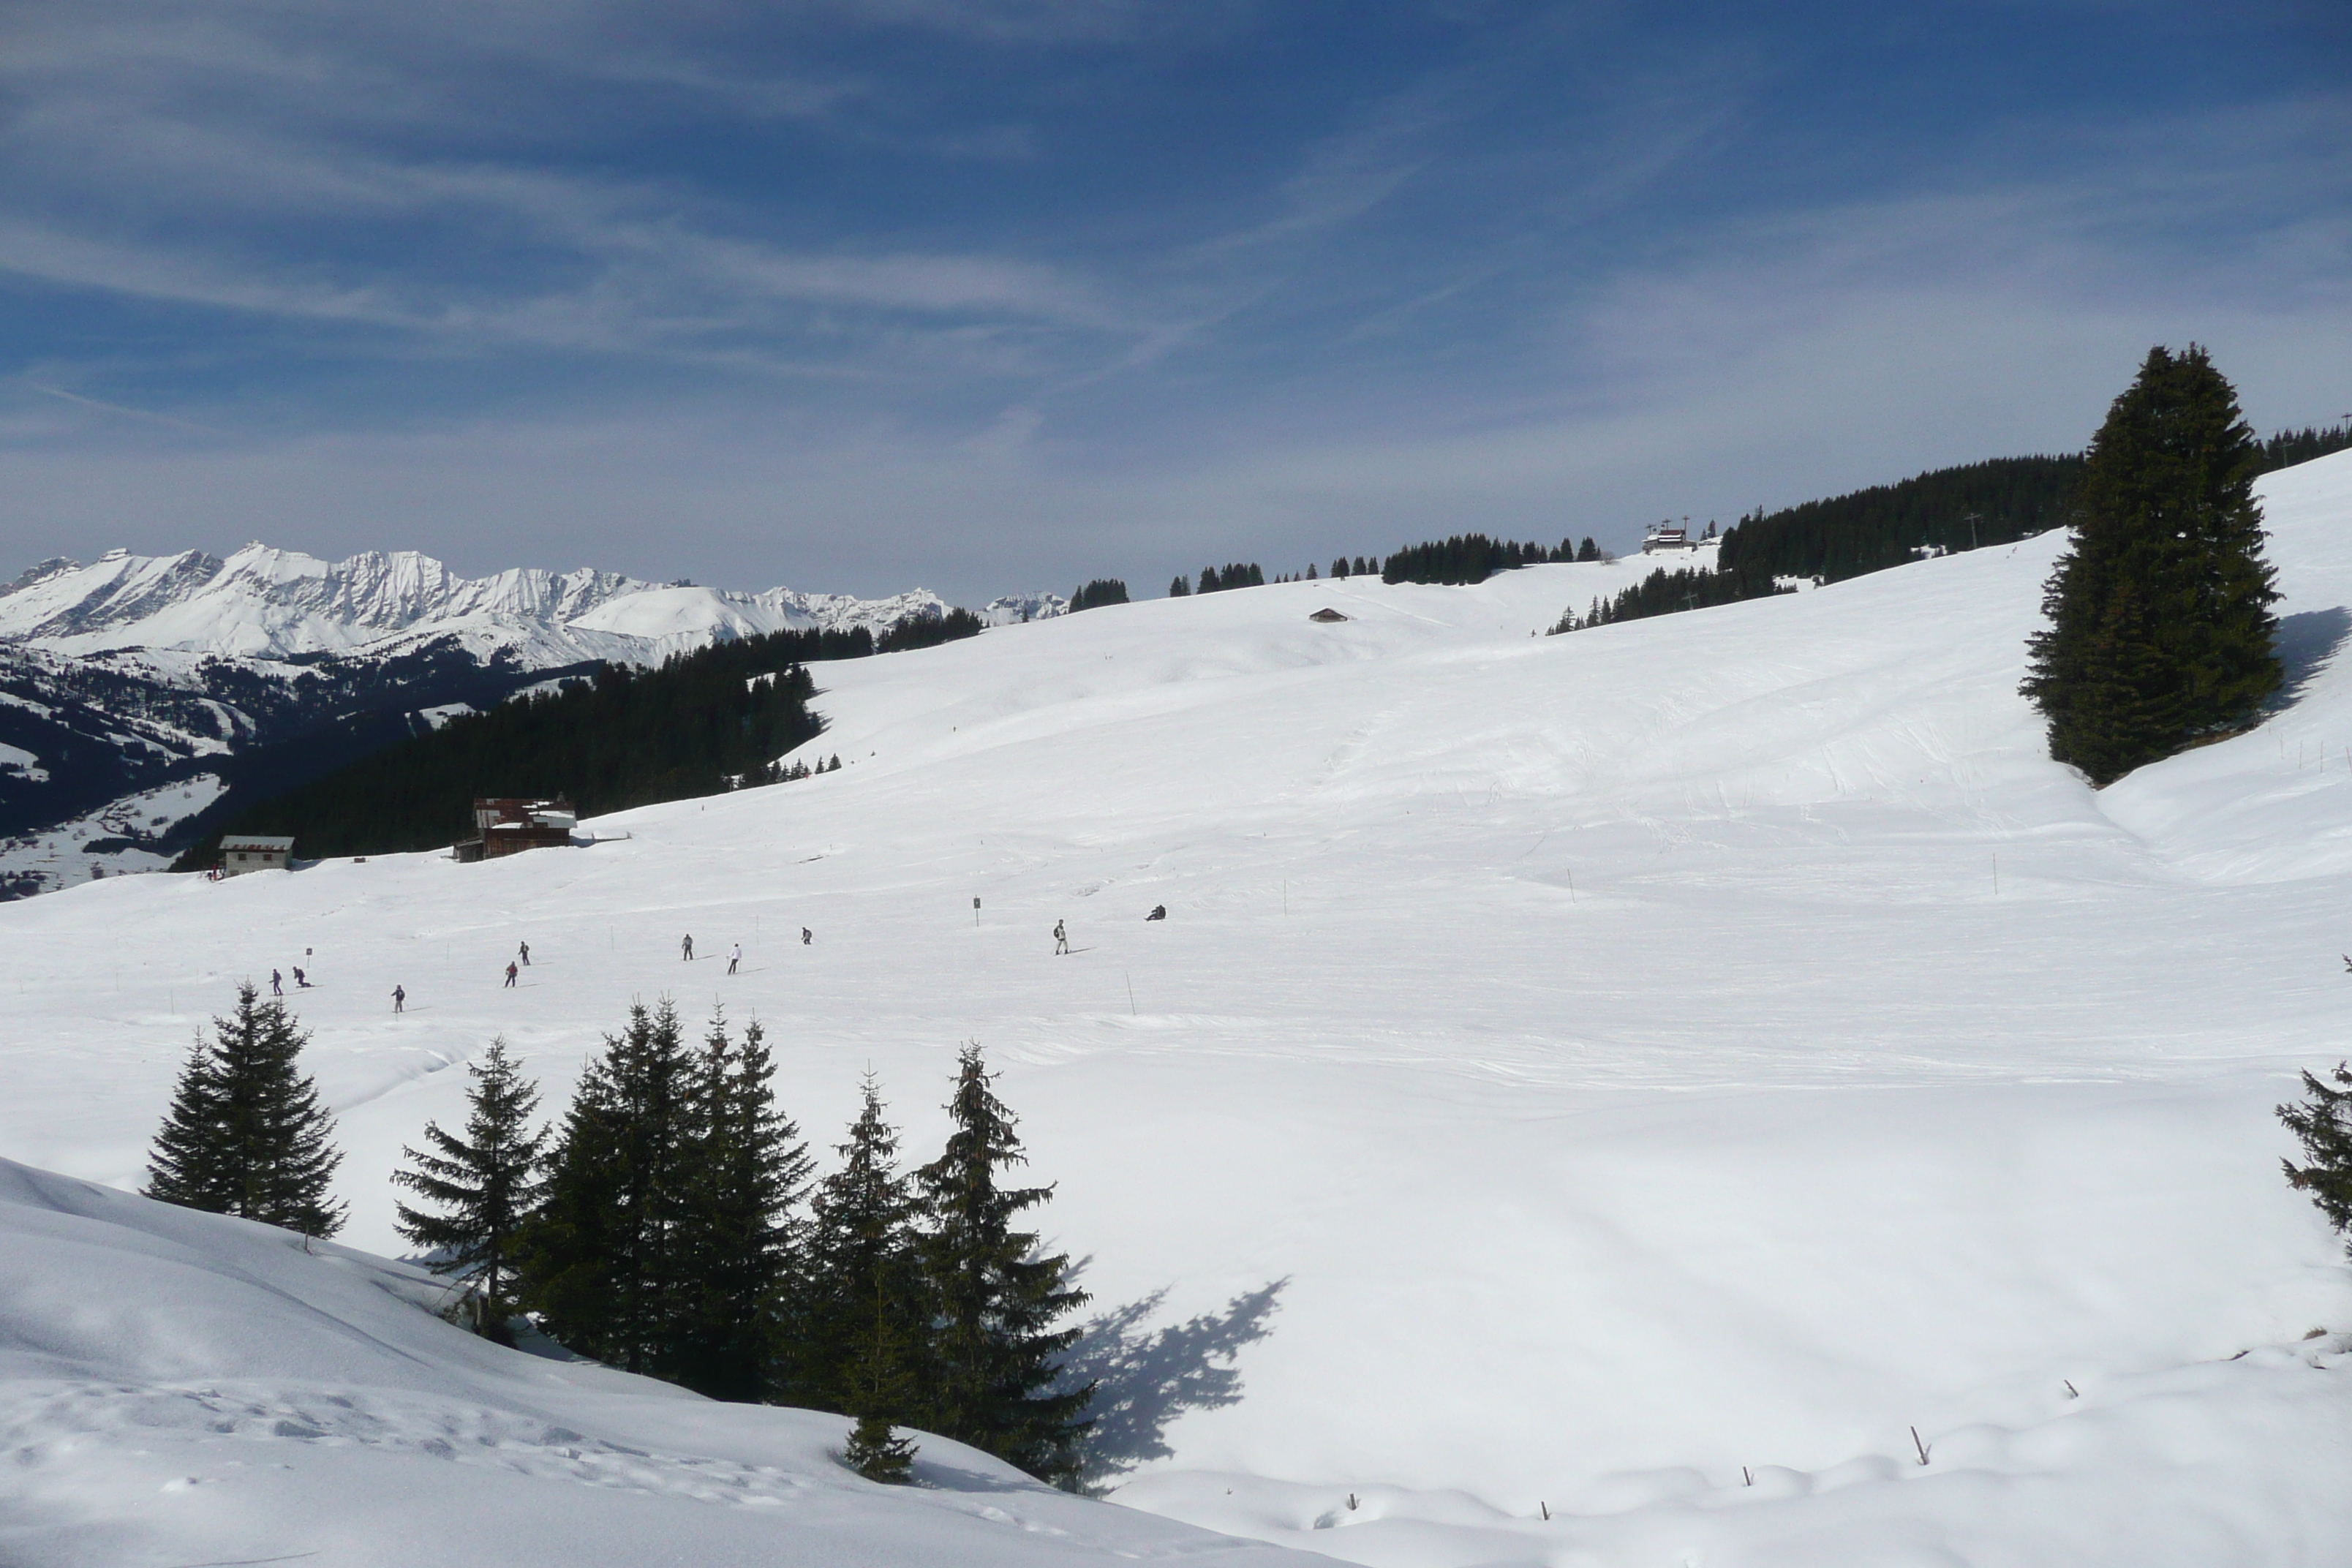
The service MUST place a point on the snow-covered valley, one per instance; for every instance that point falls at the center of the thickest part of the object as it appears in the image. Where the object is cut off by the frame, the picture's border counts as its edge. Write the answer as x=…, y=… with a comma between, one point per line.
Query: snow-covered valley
x=1593, y=1098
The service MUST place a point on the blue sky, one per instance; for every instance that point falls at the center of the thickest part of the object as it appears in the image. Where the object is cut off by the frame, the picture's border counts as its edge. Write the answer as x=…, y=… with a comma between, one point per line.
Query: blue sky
x=994, y=296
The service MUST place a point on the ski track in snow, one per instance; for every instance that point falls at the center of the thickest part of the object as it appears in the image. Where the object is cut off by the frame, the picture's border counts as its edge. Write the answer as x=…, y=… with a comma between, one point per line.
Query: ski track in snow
x=1636, y=1076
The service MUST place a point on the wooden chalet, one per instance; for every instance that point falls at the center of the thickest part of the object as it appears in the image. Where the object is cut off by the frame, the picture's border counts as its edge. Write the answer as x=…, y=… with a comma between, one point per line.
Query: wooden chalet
x=509, y=825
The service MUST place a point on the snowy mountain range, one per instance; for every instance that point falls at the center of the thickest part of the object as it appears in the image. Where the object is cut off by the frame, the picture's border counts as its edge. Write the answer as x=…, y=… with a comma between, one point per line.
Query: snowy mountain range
x=264, y=603
x=139, y=692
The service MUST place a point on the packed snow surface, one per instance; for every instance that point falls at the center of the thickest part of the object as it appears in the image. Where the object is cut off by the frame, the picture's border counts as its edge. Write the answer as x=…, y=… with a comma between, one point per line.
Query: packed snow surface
x=1593, y=1098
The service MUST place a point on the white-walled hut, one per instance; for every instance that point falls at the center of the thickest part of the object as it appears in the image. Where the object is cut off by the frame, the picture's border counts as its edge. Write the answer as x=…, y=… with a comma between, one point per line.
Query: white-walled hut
x=242, y=852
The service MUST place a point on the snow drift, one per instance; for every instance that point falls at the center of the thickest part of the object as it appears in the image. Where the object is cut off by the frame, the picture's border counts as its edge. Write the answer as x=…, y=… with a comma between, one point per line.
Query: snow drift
x=177, y=1387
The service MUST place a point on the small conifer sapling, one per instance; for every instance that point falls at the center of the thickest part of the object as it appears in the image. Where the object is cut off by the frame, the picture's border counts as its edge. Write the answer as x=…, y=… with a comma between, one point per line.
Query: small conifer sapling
x=2321, y=1123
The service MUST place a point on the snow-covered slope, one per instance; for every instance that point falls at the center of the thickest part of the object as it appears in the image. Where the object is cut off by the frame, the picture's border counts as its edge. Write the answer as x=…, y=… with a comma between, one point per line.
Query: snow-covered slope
x=1577, y=1076
x=178, y=1387
x=266, y=603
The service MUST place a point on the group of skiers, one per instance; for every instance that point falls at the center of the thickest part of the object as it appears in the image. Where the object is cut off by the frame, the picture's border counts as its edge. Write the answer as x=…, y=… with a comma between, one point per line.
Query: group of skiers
x=301, y=980
x=1062, y=931
x=521, y=960
x=735, y=953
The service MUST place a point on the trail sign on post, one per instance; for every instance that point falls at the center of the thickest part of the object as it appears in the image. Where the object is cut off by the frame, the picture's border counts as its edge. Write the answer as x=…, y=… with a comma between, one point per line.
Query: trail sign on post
x=975, y=914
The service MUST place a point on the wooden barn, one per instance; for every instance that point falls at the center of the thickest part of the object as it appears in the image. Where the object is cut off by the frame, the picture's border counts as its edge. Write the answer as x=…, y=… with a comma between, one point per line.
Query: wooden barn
x=509, y=825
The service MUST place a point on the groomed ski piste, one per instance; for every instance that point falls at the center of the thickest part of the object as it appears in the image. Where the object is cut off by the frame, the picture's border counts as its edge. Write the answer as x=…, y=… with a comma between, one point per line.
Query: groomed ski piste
x=1592, y=1099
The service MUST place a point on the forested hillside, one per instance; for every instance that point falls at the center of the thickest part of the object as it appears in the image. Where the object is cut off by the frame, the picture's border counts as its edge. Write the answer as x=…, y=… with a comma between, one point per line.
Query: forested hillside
x=1997, y=502
x=621, y=738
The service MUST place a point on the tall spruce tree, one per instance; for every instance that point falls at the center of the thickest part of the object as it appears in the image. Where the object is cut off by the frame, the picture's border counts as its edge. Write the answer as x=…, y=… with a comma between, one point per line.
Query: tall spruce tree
x=602, y=1260
x=737, y=1239
x=482, y=1186
x=993, y=1349
x=246, y=1134
x=2160, y=627
x=2322, y=1124
x=858, y=1342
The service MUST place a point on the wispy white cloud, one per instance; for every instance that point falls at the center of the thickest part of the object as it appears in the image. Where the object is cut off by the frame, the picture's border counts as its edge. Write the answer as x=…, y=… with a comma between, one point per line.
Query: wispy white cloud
x=1522, y=284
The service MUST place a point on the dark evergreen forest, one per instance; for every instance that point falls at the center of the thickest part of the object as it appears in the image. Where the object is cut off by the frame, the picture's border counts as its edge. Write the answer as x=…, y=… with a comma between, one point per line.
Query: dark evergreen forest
x=617, y=739
x=1474, y=558
x=924, y=631
x=1993, y=502
x=2288, y=448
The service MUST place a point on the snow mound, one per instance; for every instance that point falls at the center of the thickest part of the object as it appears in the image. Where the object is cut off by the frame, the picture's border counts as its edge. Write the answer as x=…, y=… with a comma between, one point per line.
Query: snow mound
x=177, y=1387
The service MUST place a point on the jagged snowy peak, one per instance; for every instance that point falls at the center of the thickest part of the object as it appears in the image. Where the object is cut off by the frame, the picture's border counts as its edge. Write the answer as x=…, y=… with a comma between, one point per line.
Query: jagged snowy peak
x=265, y=603
x=1015, y=608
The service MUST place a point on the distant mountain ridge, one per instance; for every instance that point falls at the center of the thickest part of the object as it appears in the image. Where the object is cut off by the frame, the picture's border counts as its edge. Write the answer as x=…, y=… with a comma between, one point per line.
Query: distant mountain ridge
x=270, y=604
x=141, y=696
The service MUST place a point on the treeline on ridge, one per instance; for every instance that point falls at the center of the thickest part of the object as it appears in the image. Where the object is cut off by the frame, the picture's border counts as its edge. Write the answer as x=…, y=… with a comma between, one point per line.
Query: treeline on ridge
x=1998, y=501
x=698, y=725
x=1472, y=558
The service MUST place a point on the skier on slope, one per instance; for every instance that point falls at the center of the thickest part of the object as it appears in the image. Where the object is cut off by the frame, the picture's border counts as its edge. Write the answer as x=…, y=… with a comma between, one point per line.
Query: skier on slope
x=1061, y=938
x=686, y=949
x=302, y=980
x=1159, y=912
x=734, y=958
x=277, y=983
x=399, y=1000
x=522, y=950
x=805, y=937
x=512, y=972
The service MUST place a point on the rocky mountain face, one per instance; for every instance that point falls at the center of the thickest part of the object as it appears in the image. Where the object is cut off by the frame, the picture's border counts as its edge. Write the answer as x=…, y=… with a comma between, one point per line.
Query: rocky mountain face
x=140, y=695
x=273, y=603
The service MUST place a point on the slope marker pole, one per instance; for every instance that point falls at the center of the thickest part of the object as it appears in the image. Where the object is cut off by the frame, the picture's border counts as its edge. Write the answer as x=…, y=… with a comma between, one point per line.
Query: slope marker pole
x=1130, y=995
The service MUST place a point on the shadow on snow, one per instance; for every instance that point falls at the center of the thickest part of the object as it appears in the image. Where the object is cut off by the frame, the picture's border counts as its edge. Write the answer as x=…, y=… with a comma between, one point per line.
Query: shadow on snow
x=1150, y=1376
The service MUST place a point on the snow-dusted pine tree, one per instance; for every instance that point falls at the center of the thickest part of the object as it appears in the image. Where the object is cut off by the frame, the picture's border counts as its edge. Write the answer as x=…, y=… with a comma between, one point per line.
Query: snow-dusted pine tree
x=245, y=1133
x=2160, y=627
x=736, y=1240
x=864, y=1287
x=992, y=1373
x=481, y=1185
x=602, y=1261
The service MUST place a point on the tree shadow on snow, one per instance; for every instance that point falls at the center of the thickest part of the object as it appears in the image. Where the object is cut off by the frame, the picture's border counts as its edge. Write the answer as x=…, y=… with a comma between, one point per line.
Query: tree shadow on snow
x=2307, y=642
x=1148, y=1377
